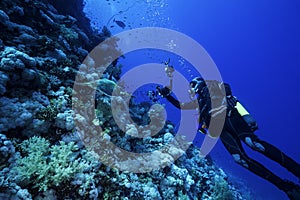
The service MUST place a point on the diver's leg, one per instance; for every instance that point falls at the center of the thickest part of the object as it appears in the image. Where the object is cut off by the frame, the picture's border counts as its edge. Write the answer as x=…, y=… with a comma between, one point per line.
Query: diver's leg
x=233, y=145
x=271, y=152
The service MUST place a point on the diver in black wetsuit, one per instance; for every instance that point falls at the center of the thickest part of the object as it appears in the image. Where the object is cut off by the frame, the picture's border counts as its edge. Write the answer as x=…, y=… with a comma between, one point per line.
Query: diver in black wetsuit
x=239, y=126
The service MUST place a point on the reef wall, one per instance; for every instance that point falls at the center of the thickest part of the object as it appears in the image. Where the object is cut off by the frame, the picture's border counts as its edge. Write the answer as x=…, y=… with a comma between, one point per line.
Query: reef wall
x=75, y=9
x=42, y=45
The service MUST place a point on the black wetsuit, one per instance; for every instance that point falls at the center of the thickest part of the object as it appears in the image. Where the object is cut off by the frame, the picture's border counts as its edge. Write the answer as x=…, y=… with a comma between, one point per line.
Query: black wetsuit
x=236, y=130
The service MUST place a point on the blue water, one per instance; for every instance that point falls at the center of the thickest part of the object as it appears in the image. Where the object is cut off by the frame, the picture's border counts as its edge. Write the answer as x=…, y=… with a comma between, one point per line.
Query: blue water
x=255, y=45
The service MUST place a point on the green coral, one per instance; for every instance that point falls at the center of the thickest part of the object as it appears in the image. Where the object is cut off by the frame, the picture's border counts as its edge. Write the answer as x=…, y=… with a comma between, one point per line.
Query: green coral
x=47, y=166
x=48, y=113
x=68, y=33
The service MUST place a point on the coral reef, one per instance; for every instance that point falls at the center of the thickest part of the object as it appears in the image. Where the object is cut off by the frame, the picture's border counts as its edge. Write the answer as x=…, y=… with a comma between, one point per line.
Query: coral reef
x=43, y=156
x=44, y=166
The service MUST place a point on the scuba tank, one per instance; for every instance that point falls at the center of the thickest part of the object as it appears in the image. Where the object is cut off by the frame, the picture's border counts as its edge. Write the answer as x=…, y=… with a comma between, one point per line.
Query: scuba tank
x=241, y=110
x=246, y=116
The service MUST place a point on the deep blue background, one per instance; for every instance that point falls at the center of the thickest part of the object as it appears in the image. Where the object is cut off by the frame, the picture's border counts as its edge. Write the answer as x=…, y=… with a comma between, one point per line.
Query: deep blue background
x=256, y=46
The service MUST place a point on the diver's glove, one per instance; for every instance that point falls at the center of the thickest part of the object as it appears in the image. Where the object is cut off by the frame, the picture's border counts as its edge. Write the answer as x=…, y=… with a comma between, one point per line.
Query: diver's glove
x=164, y=92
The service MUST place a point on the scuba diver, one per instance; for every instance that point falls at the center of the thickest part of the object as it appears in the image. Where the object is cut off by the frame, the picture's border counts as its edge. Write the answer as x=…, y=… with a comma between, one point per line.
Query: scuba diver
x=239, y=126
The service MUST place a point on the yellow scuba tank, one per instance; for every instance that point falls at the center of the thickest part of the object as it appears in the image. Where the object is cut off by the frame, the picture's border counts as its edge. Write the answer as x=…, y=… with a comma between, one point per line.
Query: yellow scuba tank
x=241, y=110
x=246, y=116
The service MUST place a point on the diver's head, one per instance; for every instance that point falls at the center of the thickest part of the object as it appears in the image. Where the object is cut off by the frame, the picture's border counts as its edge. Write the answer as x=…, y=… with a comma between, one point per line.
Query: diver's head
x=196, y=86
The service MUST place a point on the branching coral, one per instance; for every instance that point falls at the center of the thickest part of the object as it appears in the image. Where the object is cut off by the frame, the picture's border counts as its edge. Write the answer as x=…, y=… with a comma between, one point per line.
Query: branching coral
x=47, y=166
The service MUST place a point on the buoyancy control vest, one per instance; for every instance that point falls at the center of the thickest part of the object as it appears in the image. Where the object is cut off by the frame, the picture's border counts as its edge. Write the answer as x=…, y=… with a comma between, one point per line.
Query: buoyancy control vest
x=226, y=102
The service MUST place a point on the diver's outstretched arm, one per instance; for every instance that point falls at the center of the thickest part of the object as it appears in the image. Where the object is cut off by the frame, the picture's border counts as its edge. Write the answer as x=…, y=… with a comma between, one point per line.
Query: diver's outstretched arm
x=184, y=106
x=166, y=93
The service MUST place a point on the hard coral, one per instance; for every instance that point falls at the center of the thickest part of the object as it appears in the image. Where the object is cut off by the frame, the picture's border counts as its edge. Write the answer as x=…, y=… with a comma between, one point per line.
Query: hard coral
x=47, y=166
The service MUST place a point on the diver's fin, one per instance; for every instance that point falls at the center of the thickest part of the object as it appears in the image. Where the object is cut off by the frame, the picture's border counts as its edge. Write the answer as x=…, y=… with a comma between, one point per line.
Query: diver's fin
x=292, y=190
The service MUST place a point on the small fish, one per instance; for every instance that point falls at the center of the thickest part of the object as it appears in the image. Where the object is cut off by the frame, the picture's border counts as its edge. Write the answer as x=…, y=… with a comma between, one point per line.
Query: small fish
x=120, y=23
